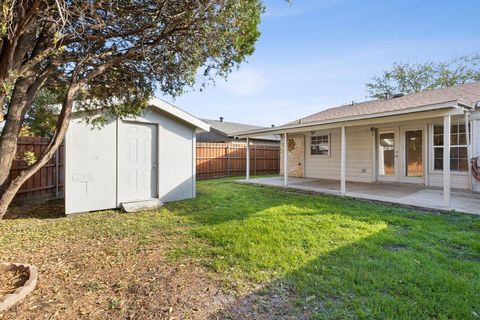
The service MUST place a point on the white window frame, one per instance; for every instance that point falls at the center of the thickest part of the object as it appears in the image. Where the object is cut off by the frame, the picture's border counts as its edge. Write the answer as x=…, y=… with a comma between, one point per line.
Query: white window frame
x=432, y=148
x=329, y=136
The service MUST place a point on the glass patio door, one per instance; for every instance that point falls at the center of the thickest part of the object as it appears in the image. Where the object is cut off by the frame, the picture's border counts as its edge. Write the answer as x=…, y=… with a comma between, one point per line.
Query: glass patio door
x=387, y=151
x=401, y=154
x=413, y=158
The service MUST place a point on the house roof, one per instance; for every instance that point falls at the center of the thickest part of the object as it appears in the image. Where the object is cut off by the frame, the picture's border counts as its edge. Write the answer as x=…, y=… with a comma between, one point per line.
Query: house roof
x=231, y=128
x=465, y=95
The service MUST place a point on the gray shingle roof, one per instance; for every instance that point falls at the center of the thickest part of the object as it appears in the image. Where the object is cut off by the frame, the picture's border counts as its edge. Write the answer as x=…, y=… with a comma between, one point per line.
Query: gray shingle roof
x=467, y=93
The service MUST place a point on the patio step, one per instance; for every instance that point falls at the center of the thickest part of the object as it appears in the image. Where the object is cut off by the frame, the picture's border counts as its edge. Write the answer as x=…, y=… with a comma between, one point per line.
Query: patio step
x=135, y=206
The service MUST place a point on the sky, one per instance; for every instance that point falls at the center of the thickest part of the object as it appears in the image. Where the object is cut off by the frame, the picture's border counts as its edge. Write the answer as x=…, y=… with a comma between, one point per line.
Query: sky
x=316, y=54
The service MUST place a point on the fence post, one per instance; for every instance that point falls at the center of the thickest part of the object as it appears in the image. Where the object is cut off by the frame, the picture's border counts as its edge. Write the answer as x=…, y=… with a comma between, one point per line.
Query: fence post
x=228, y=159
x=56, y=173
x=255, y=159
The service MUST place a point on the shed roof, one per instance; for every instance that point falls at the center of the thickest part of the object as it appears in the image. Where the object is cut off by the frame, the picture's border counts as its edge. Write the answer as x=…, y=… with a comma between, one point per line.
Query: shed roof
x=179, y=113
x=163, y=106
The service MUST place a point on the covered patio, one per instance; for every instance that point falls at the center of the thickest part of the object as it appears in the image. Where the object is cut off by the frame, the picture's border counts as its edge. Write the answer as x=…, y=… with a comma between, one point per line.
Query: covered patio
x=413, y=150
x=401, y=193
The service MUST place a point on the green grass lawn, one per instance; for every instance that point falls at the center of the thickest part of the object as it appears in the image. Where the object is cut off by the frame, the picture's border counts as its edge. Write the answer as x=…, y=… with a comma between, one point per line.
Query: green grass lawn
x=343, y=258
x=348, y=259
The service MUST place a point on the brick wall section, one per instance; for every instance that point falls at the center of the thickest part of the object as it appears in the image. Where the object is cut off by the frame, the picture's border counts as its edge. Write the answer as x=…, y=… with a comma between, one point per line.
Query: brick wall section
x=296, y=157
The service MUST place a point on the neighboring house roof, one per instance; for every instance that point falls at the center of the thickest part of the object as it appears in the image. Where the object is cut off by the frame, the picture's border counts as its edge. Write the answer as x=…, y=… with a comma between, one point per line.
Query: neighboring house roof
x=465, y=95
x=229, y=129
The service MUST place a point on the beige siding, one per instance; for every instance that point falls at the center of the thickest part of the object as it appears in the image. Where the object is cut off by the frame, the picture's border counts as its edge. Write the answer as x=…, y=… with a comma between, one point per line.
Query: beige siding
x=457, y=181
x=359, y=156
x=360, y=146
x=324, y=166
x=361, y=150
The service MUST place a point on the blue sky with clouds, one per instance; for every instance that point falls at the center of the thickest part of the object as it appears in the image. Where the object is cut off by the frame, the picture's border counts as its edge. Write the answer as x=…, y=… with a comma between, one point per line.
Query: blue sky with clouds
x=316, y=54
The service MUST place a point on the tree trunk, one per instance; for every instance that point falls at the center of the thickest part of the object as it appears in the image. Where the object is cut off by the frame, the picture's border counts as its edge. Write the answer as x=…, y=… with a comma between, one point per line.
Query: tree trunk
x=24, y=91
x=59, y=134
x=22, y=98
x=13, y=124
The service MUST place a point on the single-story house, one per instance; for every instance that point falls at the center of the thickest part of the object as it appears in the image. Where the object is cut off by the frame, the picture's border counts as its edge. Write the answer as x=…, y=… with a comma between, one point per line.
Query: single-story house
x=139, y=160
x=223, y=131
x=415, y=140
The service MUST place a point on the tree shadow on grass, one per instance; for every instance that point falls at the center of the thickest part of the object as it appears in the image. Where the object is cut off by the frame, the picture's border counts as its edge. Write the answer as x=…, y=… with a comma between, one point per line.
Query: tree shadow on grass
x=387, y=275
x=42, y=209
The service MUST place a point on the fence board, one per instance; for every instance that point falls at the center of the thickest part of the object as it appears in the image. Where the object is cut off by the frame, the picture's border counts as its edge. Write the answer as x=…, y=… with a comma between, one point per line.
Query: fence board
x=45, y=183
x=229, y=159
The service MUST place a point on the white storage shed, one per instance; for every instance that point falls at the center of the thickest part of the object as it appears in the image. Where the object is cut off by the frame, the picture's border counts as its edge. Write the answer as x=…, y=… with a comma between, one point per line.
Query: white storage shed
x=150, y=157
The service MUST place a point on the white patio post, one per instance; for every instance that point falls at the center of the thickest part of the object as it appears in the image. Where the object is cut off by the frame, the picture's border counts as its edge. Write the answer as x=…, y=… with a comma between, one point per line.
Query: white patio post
x=285, y=160
x=446, y=160
x=343, y=163
x=469, y=151
x=247, y=173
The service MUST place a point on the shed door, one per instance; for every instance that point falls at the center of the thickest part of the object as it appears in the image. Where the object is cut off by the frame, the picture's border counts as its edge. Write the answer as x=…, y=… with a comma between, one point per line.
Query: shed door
x=137, y=161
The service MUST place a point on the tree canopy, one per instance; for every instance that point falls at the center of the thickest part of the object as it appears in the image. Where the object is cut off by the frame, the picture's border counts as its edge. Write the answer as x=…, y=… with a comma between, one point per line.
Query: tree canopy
x=415, y=77
x=113, y=54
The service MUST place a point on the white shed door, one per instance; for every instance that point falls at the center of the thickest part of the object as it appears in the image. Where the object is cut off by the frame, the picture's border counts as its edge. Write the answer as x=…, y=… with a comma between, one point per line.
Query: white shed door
x=137, y=161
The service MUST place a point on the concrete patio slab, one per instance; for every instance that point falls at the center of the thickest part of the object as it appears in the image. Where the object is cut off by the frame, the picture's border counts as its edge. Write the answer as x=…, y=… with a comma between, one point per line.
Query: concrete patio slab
x=400, y=193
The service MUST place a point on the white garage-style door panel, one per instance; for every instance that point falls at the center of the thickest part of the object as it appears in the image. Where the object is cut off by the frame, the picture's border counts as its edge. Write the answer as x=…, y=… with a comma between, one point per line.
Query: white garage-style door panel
x=137, y=157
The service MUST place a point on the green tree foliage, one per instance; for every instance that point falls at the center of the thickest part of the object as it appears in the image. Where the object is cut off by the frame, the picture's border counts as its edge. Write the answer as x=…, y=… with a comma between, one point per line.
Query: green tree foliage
x=416, y=77
x=41, y=117
x=109, y=54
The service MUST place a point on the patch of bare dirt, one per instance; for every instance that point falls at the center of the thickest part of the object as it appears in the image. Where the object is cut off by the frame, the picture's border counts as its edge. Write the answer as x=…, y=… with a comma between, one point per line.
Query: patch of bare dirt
x=96, y=280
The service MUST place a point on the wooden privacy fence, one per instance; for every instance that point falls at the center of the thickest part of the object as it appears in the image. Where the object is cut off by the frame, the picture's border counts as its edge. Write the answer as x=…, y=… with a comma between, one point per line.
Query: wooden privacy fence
x=45, y=183
x=216, y=159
